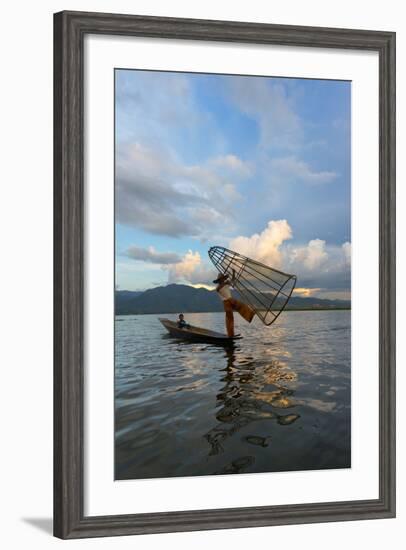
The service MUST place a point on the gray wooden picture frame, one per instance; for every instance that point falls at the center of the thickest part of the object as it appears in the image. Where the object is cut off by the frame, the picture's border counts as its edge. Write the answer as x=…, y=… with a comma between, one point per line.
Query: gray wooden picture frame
x=69, y=31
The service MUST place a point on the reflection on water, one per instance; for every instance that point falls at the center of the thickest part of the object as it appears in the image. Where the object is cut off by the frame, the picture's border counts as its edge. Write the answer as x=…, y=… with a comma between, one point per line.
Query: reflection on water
x=243, y=400
x=277, y=400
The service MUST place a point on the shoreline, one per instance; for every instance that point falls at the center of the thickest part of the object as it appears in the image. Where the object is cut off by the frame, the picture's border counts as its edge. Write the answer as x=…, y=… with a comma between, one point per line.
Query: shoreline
x=221, y=311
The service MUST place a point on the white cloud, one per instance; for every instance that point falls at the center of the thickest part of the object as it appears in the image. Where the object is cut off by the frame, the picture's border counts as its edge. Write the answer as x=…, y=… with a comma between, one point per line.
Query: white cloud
x=191, y=269
x=265, y=246
x=312, y=256
x=347, y=252
x=316, y=264
x=185, y=267
x=319, y=267
x=159, y=194
x=319, y=264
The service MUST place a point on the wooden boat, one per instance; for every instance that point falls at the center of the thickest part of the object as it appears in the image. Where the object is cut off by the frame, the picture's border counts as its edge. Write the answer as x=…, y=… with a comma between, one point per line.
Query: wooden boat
x=197, y=334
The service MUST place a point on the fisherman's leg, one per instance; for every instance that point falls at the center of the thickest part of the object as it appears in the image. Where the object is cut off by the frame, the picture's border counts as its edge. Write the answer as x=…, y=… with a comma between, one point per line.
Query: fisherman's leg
x=229, y=318
x=244, y=310
x=230, y=323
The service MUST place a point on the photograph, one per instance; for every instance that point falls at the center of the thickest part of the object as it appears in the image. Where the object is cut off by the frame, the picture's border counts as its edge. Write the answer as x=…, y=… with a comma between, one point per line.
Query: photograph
x=232, y=274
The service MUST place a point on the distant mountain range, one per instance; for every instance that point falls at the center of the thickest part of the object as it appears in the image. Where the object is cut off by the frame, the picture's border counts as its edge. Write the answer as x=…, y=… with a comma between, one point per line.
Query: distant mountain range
x=124, y=297
x=182, y=298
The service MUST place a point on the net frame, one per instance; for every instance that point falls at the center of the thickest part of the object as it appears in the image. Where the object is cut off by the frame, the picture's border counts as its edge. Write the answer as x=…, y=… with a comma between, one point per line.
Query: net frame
x=280, y=284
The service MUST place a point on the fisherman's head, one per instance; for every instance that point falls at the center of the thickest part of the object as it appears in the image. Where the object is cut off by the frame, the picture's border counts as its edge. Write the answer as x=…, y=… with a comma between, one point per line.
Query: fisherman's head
x=220, y=279
x=181, y=316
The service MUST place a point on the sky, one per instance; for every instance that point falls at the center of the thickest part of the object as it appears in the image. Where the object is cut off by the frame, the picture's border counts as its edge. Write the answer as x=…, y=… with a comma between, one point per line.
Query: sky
x=260, y=165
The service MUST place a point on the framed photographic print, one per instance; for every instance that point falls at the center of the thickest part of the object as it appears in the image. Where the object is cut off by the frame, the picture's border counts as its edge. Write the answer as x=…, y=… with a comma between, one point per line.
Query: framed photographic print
x=224, y=274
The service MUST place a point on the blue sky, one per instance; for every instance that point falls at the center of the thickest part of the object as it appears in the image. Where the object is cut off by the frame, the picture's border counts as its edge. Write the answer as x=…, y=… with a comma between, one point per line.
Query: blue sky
x=258, y=164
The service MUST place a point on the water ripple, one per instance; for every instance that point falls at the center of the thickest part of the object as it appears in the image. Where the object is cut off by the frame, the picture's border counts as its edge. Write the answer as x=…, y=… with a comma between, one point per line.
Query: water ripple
x=278, y=400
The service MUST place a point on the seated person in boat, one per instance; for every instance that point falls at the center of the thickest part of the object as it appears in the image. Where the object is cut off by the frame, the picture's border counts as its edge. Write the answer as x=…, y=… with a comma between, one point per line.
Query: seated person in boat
x=230, y=304
x=181, y=321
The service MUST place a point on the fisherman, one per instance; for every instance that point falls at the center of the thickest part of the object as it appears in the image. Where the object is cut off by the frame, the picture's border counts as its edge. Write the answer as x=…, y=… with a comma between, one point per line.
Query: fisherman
x=181, y=321
x=230, y=304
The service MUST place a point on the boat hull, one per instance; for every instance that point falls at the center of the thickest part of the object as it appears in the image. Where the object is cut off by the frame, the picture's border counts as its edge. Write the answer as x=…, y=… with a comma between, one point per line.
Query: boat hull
x=197, y=334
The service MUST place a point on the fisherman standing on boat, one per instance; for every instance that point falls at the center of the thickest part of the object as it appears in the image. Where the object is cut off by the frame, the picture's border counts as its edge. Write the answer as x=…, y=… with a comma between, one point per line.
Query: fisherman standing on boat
x=230, y=304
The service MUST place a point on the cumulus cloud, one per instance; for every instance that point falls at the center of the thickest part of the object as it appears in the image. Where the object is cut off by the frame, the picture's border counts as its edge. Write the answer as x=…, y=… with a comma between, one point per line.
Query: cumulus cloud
x=151, y=255
x=264, y=246
x=191, y=269
x=347, y=252
x=316, y=264
x=312, y=256
x=183, y=269
x=159, y=194
x=160, y=118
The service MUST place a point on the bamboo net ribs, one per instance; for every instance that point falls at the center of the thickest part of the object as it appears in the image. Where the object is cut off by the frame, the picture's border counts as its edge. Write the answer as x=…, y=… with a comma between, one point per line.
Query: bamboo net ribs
x=265, y=289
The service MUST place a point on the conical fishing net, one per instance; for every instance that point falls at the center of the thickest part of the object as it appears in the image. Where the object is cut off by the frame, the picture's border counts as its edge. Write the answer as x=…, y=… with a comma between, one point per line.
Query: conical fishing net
x=265, y=289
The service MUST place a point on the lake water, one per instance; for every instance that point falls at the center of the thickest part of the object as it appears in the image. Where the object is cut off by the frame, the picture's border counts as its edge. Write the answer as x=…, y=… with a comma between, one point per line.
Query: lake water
x=279, y=400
